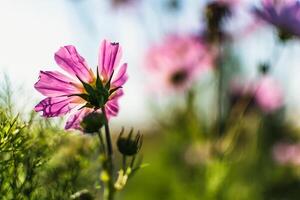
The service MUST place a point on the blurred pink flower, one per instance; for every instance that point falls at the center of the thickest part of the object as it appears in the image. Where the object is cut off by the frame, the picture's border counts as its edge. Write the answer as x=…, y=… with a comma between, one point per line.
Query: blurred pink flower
x=177, y=62
x=79, y=91
x=266, y=93
x=287, y=154
x=284, y=15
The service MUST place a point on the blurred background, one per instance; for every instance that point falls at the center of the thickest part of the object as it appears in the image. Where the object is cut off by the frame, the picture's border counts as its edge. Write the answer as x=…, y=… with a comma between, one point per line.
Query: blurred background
x=33, y=31
x=197, y=148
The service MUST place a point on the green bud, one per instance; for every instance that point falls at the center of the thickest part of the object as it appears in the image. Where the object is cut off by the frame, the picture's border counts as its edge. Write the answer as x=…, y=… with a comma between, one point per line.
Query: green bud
x=129, y=146
x=264, y=68
x=93, y=122
x=284, y=35
x=122, y=180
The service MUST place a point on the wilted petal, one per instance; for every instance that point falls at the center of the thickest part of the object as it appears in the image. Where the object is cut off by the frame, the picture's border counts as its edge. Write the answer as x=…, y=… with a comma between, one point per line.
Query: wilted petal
x=69, y=59
x=55, y=106
x=75, y=119
x=53, y=83
x=121, y=77
x=109, y=57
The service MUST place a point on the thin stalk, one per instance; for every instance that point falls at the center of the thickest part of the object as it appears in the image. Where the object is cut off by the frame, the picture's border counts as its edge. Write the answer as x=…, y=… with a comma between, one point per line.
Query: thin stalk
x=220, y=92
x=124, y=163
x=107, y=136
x=102, y=145
x=109, y=190
x=132, y=162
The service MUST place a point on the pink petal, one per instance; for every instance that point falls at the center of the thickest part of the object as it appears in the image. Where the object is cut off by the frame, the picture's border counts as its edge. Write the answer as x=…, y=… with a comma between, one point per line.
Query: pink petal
x=69, y=59
x=116, y=95
x=109, y=57
x=55, y=106
x=112, y=108
x=53, y=83
x=75, y=119
x=121, y=77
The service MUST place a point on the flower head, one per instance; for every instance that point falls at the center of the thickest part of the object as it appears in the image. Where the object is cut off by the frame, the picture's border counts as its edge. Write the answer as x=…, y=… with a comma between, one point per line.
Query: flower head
x=129, y=146
x=176, y=62
x=285, y=153
x=284, y=15
x=265, y=93
x=268, y=94
x=81, y=90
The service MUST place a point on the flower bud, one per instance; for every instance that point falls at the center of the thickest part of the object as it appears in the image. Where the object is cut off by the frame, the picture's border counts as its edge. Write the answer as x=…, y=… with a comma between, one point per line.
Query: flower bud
x=92, y=122
x=129, y=146
x=122, y=179
x=264, y=68
x=216, y=12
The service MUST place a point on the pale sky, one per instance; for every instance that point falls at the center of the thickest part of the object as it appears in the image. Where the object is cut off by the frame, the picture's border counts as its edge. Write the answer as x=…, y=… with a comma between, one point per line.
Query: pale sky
x=32, y=30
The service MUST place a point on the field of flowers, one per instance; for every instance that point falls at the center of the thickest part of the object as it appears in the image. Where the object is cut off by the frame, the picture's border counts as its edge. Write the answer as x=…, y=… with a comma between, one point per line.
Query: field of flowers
x=216, y=132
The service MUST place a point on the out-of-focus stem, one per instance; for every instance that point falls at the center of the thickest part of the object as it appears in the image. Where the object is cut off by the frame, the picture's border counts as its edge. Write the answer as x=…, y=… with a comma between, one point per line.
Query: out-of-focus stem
x=132, y=162
x=124, y=163
x=220, y=91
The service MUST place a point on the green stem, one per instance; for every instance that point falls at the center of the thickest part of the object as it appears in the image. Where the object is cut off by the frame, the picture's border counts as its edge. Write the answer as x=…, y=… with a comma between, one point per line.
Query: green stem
x=220, y=93
x=107, y=136
x=132, y=162
x=124, y=163
x=102, y=145
x=109, y=189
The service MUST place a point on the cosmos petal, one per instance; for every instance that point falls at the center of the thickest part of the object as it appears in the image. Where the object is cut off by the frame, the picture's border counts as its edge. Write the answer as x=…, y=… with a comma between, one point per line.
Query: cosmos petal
x=121, y=77
x=69, y=59
x=55, y=106
x=109, y=58
x=112, y=108
x=53, y=83
x=75, y=119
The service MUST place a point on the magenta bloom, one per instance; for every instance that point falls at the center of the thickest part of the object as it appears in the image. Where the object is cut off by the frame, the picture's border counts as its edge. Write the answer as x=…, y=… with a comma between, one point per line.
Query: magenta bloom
x=287, y=154
x=284, y=15
x=81, y=90
x=177, y=62
x=266, y=93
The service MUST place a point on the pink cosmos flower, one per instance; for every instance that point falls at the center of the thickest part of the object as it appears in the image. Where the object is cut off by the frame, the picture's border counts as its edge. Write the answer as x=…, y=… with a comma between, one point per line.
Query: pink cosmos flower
x=266, y=93
x=81, y=90
x=285, y=153
x=177, y=62
x=284, y=15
